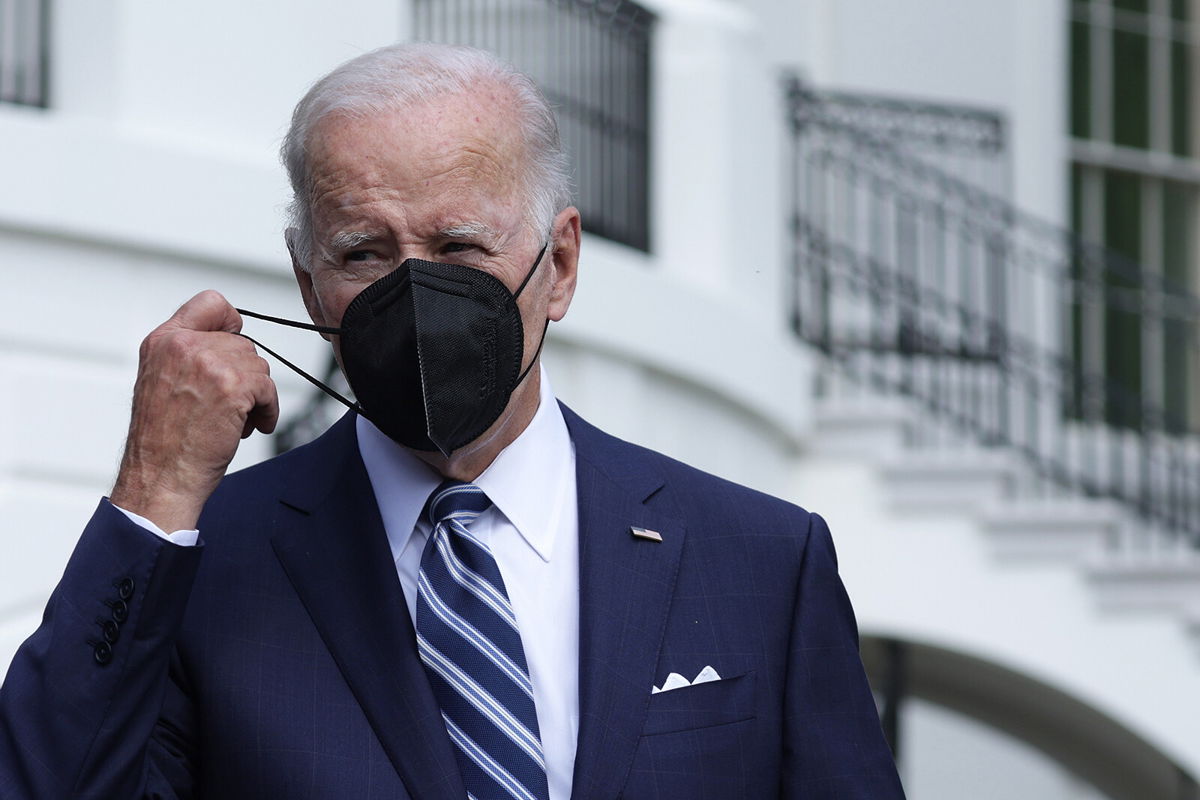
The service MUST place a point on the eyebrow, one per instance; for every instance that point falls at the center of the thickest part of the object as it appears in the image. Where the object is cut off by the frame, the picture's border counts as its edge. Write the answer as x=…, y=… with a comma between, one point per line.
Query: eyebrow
x=465, y=230
x=345, y=240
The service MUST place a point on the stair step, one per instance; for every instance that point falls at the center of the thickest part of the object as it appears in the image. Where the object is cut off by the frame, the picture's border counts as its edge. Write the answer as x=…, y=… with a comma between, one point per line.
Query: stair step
x=862, y=428
x=1149, y=583
x=962, y=480
x=1052, y=530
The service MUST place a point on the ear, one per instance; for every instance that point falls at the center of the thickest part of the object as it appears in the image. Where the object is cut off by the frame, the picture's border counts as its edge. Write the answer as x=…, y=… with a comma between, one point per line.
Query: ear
x=564, y=260
x=305, y=281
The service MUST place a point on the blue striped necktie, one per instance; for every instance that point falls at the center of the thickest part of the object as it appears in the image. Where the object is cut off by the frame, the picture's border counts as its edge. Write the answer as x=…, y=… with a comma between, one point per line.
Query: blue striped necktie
x=468, y=640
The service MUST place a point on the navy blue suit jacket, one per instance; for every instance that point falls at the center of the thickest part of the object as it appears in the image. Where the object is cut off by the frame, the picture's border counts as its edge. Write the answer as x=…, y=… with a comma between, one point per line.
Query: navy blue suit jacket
x=278, y=659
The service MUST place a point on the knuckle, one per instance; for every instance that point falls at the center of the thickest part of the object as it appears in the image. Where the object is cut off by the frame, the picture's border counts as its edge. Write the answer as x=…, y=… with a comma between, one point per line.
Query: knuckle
x=227, y=382
x=213, y=368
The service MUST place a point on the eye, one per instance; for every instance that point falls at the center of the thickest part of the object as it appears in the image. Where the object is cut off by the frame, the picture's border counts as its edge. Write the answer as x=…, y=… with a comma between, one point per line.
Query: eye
x=458, y=247
x=360, y=255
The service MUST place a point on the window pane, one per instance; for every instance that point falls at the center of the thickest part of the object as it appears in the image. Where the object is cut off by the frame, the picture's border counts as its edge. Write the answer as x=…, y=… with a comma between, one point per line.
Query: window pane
x=1179, y=207
x=1179, y=10
x=1181, y=98
x=1131, y=96
x=1178, y=204
x=1141, y=6
x=1122, y=213
x=1123, y=331
x=1081, y=80
x=1073, y=402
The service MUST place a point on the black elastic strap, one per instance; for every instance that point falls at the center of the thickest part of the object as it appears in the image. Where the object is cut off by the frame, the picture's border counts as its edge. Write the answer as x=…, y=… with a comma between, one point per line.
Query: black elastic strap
x=308, y=326
x=297, y=370
x=529, y=274
x=536, y=353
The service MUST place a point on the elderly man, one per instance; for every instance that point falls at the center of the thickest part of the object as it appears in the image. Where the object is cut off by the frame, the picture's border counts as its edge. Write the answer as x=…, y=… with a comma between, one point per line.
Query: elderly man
x=461, y=590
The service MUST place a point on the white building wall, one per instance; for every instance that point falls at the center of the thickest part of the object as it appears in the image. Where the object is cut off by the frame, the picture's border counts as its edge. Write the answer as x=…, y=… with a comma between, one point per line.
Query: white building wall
x=154, y=176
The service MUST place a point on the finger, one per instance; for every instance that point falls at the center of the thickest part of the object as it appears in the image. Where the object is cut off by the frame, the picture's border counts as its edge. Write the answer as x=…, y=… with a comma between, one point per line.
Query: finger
x=207, y=311
x=265, y=413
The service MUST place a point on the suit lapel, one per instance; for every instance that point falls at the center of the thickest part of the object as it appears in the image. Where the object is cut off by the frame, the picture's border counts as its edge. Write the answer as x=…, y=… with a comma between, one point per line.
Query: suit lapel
x=625, y=589
x=332, y=545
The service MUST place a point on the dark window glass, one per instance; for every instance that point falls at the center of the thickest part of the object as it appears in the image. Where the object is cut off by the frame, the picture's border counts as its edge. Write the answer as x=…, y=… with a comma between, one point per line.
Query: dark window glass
x=1179, y=208
x=1075, y=401
x=1139, y=6
x=1181, y=99
x=1123, y=331
x=1081, y=80
x=1179, y=10
x=1131, y=96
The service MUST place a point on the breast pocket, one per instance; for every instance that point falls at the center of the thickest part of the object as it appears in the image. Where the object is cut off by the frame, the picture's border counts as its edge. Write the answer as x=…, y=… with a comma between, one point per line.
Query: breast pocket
x=702, y=743
x=703, y=705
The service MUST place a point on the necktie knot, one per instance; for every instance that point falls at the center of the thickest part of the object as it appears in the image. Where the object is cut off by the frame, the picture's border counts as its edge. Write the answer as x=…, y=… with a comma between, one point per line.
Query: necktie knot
x=456, y=500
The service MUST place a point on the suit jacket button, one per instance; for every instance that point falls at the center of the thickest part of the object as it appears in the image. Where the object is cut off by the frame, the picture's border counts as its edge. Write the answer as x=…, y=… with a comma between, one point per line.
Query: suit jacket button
x=120, y=610
x=125, y=588
x=103, y=653
x=112, y=631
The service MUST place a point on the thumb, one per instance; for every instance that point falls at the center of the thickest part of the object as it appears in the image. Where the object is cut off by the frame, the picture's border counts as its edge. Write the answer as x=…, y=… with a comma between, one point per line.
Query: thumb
x=207, y=311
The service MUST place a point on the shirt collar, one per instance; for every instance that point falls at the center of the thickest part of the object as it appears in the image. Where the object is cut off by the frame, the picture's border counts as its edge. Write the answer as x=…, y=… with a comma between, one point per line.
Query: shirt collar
x=525, y=482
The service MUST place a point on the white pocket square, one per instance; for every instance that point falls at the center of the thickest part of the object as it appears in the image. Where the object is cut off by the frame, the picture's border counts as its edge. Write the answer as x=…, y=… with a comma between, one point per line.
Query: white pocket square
x=677, y=681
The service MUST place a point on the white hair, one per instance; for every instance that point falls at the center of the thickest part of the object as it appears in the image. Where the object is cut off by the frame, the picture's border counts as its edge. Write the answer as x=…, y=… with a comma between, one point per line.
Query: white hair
x=399, y=76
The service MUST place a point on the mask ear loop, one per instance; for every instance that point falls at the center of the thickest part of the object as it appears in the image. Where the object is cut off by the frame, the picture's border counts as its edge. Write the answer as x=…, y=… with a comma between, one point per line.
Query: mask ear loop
x=545, y=327
x=308, y=326
x=305, y=326
x=536, y=353
x=532, y=269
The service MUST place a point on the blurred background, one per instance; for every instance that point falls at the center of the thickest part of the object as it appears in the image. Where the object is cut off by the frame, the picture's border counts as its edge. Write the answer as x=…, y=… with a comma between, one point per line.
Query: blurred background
x=928, y=267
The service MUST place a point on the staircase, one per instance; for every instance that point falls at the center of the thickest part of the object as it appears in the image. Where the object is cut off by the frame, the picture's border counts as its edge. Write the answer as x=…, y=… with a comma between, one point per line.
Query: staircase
x=1128, y=565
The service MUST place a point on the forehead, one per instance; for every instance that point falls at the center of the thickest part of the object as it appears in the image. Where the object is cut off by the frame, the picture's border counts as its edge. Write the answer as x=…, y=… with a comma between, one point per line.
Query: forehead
x=431, y=159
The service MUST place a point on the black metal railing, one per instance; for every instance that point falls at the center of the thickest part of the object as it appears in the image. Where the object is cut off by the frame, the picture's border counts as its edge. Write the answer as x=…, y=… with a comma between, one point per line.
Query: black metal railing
x=914, y=282
x=592, y=60
x=24, y=52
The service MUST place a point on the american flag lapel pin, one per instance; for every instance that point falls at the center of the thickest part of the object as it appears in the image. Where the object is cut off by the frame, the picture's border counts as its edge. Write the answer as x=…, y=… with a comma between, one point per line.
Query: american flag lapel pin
x=645, y=533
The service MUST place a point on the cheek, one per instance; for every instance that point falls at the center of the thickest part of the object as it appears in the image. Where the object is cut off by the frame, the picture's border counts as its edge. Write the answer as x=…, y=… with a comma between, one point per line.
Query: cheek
x=533, y=316
x=332, y=299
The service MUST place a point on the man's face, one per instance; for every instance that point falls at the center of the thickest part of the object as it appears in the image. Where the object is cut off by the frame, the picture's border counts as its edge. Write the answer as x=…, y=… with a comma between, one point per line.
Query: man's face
x=441, y=182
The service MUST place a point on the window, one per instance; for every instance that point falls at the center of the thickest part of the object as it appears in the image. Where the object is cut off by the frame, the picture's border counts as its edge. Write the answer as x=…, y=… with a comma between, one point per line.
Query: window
x=592, y=60
x=24, y=45
x=1135, y=186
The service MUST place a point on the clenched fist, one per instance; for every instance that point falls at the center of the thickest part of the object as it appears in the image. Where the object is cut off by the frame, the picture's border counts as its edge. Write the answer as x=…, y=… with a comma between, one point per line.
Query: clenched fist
x=200, y=389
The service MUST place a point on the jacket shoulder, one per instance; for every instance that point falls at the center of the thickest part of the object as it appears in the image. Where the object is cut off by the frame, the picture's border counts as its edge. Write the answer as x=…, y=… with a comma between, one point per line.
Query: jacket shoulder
x=697, y=494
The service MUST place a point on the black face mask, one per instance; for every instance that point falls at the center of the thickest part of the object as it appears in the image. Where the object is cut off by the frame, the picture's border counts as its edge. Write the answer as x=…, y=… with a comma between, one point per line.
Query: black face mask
x=432, y=351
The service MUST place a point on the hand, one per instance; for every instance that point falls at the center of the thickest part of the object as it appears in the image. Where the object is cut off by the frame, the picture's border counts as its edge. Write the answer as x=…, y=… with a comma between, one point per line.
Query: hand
x=200, y=390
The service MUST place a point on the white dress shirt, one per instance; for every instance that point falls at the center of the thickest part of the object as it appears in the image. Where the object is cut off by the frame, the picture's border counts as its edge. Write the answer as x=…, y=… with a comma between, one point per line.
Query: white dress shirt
x=532, y=530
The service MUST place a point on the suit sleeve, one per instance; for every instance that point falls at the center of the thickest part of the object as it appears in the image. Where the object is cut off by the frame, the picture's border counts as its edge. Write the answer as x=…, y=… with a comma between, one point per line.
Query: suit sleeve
x=88, y=691
x=833, y=742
